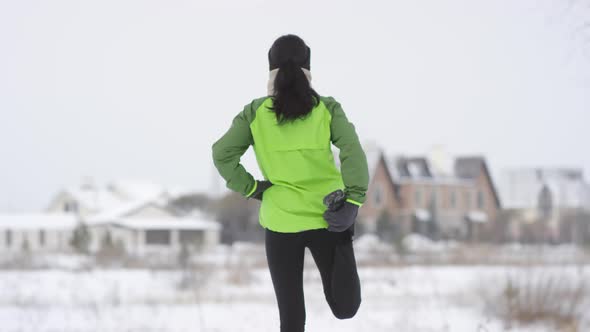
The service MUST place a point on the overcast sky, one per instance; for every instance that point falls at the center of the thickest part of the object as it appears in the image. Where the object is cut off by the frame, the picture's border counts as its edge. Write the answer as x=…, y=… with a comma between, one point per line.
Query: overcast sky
x=141, y=89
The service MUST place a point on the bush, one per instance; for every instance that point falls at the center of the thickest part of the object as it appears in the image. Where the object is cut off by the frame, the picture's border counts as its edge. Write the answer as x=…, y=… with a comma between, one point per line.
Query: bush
x=540, y=296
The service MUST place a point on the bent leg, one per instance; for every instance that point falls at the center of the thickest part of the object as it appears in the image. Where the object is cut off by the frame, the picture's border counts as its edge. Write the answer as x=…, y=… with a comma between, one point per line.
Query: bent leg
x=285, y=254
x=334, y=256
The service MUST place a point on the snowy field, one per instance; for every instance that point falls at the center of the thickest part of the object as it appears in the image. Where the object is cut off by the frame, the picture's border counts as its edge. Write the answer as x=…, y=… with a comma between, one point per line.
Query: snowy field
x=413, y=298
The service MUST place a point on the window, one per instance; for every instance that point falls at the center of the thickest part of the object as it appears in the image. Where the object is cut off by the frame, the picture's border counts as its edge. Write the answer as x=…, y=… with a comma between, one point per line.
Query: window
x=433, y=199
x=480, y=200
x=377, y=197
x=71, y=206
x=159, y=236
x=8, y=238
x=417, y=197
x=453, y=199
x=467, y=199
x=191, y=237
x=41, y=238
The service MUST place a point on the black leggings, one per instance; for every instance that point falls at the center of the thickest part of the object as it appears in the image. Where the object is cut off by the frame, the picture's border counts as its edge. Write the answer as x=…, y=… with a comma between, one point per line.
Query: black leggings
x=334, y=257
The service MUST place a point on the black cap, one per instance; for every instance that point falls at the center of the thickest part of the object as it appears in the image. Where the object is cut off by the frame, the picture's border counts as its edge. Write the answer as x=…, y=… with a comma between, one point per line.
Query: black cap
x=289, y=47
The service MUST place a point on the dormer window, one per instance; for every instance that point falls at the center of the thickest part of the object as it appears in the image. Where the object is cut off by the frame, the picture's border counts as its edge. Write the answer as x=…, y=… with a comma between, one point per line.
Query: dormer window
x=71, y=206
x=415, y=170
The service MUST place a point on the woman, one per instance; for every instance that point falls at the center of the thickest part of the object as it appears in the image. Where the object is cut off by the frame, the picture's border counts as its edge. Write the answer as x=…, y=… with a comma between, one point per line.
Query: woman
x=291, y=130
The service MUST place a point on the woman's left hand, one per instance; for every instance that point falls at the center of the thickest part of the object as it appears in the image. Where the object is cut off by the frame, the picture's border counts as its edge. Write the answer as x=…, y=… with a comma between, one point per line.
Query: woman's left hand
x=261, y=186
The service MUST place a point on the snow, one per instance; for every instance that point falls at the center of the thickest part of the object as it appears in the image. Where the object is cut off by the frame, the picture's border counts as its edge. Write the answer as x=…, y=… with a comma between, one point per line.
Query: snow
x=422, y=214
x=169, y=223
x=477, y=216
x=124, y=209
x=93, y=198
x=115, y=197
x=420, y=244
x=419, y=298
x=37, y=221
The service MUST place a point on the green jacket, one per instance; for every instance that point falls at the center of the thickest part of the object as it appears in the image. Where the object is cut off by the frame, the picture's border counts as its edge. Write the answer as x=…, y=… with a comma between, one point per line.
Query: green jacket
x=297, y=158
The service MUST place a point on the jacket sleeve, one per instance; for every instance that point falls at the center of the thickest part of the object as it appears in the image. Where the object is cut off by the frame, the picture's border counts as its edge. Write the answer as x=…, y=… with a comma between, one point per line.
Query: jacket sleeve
x=228, y=150
x=353, y=162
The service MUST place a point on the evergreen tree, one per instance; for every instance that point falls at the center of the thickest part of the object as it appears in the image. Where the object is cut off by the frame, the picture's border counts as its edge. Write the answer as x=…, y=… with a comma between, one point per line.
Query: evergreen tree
x=80, y=240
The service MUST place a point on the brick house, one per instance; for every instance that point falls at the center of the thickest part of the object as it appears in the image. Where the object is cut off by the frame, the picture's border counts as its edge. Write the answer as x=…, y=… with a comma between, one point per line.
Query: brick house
x=415, y=195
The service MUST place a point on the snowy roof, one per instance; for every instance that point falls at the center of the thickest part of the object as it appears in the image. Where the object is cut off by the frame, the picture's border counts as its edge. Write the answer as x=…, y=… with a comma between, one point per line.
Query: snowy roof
x=92, y=198
x=134, y=189
x=38, y=221
x=436, y=181
x=114, y=194
x=520, y=188
x=172, y=223
x=124, y=210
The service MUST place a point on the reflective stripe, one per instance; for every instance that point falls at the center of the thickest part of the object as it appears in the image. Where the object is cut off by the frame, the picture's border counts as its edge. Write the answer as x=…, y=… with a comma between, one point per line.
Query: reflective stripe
x=354, y=202
x=253, y=188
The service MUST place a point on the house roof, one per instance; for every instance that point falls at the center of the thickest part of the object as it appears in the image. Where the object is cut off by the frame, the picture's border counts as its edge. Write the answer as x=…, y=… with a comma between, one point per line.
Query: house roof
x=417, y=170
x=125, y=210
x=412, y=167
x=391, y=177
x=173, y=223
x=522, y=187
x=38, y=221
x=113, y=195
x=470, y=168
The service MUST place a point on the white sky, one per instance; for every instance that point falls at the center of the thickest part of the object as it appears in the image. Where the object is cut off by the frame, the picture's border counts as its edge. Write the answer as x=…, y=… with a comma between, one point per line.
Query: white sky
x=141, y=89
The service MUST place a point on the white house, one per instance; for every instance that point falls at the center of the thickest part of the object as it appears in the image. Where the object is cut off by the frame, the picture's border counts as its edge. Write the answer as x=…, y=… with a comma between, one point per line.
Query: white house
x=547, y=194
x=522, y=188
x=36, y=232
x=135, y=214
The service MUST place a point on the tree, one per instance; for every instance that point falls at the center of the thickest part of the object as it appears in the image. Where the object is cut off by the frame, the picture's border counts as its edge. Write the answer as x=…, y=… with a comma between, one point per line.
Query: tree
x=239, y=217
x=191, y=202
x=80, y=240
x=384, y=227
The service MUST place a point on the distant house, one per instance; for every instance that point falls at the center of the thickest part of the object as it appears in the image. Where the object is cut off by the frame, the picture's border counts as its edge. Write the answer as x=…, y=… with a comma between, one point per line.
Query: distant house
x=136, y=216
x=36, y=232
x=546, y=204
x=432, y=196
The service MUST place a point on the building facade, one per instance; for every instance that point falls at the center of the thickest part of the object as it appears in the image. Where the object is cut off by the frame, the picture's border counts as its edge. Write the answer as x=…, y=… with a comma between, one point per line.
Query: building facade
x=442, y=200
x=139, y=221
x=550, y=205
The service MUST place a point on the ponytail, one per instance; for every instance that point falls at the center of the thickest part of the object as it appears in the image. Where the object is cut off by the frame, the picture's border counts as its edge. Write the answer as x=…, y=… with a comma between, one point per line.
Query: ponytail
x=293, y=96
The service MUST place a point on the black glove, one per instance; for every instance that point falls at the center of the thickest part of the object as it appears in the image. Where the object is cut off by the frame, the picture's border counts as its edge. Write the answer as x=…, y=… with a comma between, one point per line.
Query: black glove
x=261, y=186
x=340, y=214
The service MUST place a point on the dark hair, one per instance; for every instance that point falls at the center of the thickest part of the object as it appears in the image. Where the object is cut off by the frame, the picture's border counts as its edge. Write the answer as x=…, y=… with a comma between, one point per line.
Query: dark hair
x=293, y=96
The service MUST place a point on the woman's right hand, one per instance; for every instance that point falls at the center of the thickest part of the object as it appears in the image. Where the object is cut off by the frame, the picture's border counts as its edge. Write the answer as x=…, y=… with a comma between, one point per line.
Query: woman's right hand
x=342, y=218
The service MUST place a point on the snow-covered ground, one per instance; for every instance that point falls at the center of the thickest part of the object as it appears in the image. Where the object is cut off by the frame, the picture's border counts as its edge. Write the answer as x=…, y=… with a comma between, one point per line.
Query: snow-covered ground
x=418, y=298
